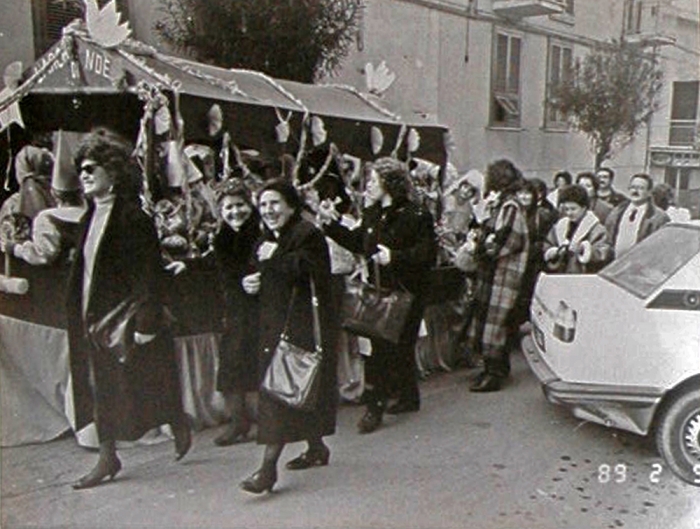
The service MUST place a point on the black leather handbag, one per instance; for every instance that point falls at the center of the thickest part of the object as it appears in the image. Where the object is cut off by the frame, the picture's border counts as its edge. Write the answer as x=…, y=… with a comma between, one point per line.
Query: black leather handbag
x=375, y=312
x=114, y=332
x=293, y=376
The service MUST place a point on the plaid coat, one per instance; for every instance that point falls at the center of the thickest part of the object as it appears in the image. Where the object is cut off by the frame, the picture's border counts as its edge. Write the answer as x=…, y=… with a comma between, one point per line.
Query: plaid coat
x=500, y=277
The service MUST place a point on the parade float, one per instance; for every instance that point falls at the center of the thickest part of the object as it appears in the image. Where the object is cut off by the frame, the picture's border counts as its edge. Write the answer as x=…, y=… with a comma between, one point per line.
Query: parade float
x=193, y=125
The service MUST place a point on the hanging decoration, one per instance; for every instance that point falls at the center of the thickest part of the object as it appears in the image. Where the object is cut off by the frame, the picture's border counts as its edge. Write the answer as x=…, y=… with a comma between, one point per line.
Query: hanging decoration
x=225, y=156
x=379, y=79
x=318, y=131
x=413, y=140
x=104, y=25
x=399, y=141
x=215, y=120
x=376, y=139
x=282, y=129
x=365, y=99
x=153, y=100
x=332, y=153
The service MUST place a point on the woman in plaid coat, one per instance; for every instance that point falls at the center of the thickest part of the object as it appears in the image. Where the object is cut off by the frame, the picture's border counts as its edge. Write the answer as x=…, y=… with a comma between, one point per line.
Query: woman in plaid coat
x=503, y=256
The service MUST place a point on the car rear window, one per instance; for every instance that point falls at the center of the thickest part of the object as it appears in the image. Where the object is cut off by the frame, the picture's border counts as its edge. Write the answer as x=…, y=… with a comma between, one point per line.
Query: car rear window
x=649, y=264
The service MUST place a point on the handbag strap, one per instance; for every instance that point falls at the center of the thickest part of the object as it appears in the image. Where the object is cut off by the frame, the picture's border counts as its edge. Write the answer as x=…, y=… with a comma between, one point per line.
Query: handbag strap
x=316, y=320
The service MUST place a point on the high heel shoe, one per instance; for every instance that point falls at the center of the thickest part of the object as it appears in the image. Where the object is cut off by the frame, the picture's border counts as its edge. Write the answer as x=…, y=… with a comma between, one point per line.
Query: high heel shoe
x=261, y=481
x=183, y=439
x=236, y=432
x=311, y=458
x=97, y=475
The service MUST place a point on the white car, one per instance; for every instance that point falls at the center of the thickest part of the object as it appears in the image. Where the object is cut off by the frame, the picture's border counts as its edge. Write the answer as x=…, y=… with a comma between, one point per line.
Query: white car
x=622, y=347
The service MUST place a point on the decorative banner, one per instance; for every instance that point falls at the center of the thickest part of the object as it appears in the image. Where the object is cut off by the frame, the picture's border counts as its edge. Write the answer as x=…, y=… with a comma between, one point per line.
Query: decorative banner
x=318, y=131
x=104, y=24
x=12, y=78
x=413, y=140
x=12, y=113
x=377, y=139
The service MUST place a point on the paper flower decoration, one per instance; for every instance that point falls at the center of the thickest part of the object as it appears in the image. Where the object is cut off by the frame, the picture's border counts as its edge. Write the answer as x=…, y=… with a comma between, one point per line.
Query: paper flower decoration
x=104, y=24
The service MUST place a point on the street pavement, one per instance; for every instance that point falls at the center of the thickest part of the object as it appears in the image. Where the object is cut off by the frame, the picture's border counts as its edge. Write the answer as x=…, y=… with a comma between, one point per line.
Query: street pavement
x=506, y=460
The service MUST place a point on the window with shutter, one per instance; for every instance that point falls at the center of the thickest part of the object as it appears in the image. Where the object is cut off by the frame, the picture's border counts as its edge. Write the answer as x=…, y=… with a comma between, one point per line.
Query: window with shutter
x=505, y=80
x=51, y=16
x=684, y=113
x=559, y=66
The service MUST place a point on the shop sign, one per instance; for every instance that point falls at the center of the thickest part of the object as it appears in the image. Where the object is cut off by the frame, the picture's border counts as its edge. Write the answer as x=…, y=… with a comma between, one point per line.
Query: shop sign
x=675, y=159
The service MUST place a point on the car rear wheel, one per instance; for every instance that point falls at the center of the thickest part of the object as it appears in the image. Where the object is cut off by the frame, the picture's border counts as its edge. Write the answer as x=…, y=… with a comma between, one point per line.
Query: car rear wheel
x=678, y=436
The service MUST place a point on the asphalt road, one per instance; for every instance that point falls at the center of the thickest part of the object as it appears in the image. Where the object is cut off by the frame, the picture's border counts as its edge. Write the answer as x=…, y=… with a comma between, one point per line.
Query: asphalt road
x=501, y=460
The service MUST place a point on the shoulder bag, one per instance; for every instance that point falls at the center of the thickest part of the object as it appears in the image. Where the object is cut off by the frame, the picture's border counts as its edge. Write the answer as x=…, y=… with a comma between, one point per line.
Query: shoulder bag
x=293, y=376
x=375, y=312
x=114, y=332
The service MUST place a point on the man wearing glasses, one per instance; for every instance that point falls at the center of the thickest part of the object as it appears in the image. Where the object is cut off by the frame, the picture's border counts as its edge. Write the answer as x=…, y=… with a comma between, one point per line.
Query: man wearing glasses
x=631, y=222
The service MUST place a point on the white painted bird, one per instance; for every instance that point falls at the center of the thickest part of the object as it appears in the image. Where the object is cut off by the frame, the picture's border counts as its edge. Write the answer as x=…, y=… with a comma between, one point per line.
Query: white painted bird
x=378, y=80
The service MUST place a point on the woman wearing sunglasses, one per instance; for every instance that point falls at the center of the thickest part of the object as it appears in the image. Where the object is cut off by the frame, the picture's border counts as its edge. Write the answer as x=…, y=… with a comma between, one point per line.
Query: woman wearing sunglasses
x=126, y=391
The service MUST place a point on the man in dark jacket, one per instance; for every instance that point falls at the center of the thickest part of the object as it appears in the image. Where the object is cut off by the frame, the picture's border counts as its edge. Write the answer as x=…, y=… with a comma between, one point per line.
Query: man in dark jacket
x=631, y=222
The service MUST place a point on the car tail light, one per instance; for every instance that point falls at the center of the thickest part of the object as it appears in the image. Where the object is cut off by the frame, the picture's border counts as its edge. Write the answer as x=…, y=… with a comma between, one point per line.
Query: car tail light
x=539, y=337
x=565, y=323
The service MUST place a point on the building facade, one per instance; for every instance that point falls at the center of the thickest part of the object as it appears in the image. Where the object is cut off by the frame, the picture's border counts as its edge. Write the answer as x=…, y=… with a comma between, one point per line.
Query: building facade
x=485, y=69
x=672, y=31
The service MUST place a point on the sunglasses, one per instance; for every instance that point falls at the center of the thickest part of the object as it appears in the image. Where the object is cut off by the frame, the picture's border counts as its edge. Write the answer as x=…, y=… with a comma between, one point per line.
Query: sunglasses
x=89, y=168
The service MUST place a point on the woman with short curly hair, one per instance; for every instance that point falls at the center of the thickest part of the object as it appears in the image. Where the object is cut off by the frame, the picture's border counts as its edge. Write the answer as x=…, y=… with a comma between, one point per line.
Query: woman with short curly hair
x=398, y=235
x=118, y=263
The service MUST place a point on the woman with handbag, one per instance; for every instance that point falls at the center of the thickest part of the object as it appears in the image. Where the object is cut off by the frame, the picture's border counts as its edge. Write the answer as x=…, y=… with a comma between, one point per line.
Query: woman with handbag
x=124, y=370
x=234, y=247
x=293, y=268
x=398, y=236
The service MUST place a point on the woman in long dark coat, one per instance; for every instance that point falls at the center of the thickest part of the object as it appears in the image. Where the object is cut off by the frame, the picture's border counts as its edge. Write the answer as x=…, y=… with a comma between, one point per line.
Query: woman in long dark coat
x=399, y=236
x=292, y=252
x=234, y=248
x=119, y=259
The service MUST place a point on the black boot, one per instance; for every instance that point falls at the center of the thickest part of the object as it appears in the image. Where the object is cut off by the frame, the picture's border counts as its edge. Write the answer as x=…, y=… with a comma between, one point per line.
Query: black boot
x=372, y=418
x=108, y=466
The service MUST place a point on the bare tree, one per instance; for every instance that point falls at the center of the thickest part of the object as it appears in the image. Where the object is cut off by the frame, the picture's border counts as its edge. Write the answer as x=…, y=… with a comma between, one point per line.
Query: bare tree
x=290, y=39
x=609, y=95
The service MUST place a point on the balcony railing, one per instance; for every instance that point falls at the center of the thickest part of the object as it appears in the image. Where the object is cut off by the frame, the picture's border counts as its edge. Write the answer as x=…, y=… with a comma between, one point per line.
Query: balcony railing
x=528, y=8
x=683, y=133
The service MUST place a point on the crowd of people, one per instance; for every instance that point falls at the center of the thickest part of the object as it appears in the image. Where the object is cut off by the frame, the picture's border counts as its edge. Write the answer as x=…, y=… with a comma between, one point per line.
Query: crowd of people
x=278, y=251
